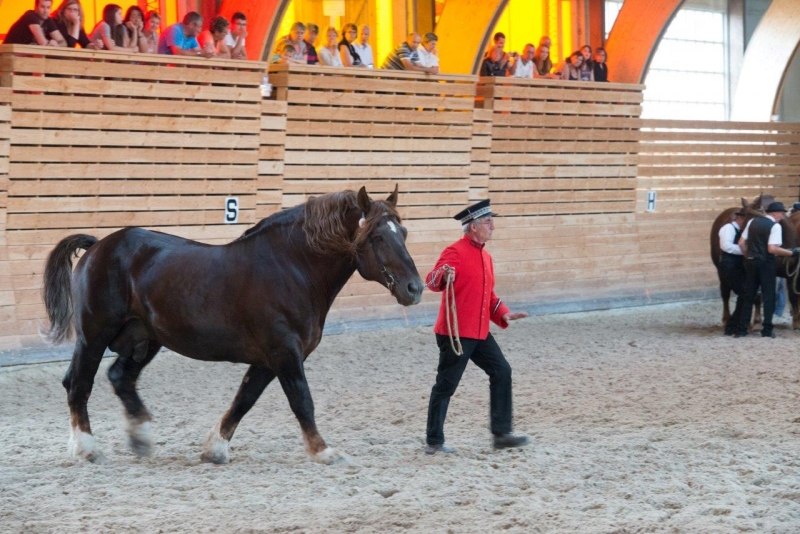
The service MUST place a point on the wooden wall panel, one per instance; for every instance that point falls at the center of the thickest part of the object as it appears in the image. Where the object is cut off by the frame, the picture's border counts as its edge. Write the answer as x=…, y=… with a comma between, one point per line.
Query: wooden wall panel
x=270, y=158
x=8, y=316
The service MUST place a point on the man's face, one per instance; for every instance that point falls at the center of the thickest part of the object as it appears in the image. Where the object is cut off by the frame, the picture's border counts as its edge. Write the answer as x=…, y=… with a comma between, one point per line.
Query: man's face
x=237, y=26
x=364, y=35
x=777, y=215
x=529, y=55
x=296, y=35
x=497, y=53
x=430, y=45
x=43, y=8
x=414, y=42
x=500, y=43
x=483, y=229
x=311, y=36
x=193, y=29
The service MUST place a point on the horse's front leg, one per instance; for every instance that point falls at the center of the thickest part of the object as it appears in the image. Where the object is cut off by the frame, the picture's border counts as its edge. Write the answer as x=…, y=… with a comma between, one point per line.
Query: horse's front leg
x=292, y=377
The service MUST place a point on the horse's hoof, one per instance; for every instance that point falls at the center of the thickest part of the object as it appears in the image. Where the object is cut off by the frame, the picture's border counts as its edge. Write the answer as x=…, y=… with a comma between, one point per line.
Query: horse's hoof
x=82, y=446
x=215, y=448
x=139, y=438
x=328, y=456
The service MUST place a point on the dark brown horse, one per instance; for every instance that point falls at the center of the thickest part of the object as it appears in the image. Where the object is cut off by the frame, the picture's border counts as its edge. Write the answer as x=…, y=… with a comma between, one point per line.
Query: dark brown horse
x=260, y=300
x=752, y=209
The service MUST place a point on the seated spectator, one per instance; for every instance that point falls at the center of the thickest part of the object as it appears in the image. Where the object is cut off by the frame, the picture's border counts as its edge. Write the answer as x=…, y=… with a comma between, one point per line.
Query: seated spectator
x=329, y=54
x=496, y=64
x=284, y=55
x=312, y=30
x=350, y=57
x=235, y=38
x=572, y=67
x=212, y=41
x=586, y=70
x=36, y=27
x=428, y=55
x=586, y=50
x=148, y=43
x=364, y=49
x=600, y=67
x=406, y=57
x=296, y=38
x=134, y=25
x=180, y=39
x=544, y=65
x=110, y=31
x=523, y=66
x=69, y=21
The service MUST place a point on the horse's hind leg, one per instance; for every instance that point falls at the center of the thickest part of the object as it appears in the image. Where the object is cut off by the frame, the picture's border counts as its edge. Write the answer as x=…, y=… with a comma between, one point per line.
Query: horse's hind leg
x=293, y=380
x=78, y=383
x=215, y=448
x=123, y=375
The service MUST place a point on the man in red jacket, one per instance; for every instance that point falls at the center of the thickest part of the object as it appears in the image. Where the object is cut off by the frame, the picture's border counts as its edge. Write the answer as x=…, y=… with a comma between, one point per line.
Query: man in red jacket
x=467, y=264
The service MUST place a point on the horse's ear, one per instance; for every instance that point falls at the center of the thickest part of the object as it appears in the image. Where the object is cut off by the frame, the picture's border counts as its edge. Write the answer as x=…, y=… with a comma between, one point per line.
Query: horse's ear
x=392, y=198
x=744, y=203
x=364, y=202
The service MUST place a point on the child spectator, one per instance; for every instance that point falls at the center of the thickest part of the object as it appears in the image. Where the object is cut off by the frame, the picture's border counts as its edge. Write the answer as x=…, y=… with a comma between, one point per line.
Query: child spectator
x=148, y=43
x=284, y=54
x=600, y=66
x=69, y=21
x=104, y=33
x=350, y=57
x=428, y=55
x=134, y=25
x=586, y=50
x=235, y=38
x=36, y=27
x=523, y=65
x=495, y=64
x=312, y=30
x=572, y=68
x=329, y=54
x=212, y=41
x=364, y=49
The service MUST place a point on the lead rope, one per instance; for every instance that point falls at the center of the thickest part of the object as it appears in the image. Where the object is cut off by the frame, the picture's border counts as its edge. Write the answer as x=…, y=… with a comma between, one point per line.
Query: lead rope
x=450, y=313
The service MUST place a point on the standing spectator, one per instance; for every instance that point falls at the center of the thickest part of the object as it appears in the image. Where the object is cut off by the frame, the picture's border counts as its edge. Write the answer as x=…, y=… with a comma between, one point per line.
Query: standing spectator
x=235, y=38
x=406, y=57
x=212, y=41
x=134, y=25
x=364, y=49
x=36, y=27
x=69, y=21
x=523, y=66
x=543, y=63
x=111, y=25
x=329, y=54
x=496, y=64
x=428, y=55
x=180, y=39
x=571, y=70
x=296, y=38
x=350, y=57
x=600, y=66
x=312, y=30
x=148, y=43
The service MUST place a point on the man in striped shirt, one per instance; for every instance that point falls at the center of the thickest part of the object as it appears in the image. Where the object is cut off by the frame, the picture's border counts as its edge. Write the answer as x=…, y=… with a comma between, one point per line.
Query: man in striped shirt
x=406, y=57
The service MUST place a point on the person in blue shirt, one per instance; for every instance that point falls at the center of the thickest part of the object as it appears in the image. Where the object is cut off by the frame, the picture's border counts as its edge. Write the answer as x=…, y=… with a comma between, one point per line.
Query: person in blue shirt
x=180, y=39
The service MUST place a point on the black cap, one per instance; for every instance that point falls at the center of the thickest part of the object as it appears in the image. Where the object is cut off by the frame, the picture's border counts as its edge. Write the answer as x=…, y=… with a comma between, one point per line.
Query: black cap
x=775, y=206
x=476, y=211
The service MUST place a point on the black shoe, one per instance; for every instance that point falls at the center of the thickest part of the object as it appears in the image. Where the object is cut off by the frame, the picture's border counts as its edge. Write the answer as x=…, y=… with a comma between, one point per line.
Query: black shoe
x=505, y=441
x=771, y=334
x=737, y=335
x=433, y=449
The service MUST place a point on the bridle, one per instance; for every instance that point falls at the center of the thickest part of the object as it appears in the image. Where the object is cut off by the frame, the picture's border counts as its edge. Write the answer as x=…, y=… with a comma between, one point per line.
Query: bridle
x=387, y=276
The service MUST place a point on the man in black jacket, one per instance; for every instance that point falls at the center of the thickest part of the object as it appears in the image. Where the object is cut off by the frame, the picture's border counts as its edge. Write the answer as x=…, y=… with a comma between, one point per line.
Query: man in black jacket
x=760, y=242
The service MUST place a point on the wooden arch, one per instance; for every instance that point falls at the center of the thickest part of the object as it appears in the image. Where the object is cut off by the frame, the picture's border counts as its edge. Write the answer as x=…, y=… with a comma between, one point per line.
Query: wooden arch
x=766, y=60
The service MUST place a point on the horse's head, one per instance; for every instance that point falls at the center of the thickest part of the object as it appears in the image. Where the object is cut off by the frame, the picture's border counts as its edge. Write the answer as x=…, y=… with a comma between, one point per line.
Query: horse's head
x=383, y=256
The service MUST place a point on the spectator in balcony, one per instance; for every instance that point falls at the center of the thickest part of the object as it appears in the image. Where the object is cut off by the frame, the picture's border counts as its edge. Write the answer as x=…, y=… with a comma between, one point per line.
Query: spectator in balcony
x=69, y=21
x=600, y=67
x=364, y=49
x=428, y=55
x=571, y=70
x=406, y=57
x=148, y=42
x=134, y=26
x=523, y=66
x=180, y=39
x=312, y=30
x=543, y=62
x=284, y=55
x=329, y=54
x=496, y=64
x=347, y=51
x=110, y=33
x=235, y=40
x=36, y=27
x=212, y=41
x=586, y=50
x=296, y=38
x=586, y=70
x=498, y=40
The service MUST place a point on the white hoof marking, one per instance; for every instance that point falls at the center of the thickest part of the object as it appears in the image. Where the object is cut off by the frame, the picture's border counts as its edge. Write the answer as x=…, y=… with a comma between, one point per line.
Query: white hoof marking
x=328, y=456
x=82, y=446
x=215, y=448
x=139, y=437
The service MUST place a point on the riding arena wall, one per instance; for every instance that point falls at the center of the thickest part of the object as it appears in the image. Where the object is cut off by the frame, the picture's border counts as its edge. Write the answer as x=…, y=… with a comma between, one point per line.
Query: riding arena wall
x=599, y=208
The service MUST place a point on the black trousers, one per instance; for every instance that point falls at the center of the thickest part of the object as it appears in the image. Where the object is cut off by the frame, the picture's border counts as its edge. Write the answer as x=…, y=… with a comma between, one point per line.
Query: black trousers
x=487, y=355
x=759, y=273
x=732, y=274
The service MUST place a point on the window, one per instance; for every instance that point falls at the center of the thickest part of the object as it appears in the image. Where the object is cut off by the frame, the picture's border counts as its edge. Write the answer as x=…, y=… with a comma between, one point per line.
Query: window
x=611, y=11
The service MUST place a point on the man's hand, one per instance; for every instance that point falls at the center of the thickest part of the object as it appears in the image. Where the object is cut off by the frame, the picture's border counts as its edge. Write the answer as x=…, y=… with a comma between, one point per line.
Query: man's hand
x=449, y=274
x=514, y=316
x=796, y=251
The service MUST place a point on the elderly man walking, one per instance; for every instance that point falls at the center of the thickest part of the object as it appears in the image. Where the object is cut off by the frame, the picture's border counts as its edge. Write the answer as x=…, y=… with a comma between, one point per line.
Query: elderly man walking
x=467, y=269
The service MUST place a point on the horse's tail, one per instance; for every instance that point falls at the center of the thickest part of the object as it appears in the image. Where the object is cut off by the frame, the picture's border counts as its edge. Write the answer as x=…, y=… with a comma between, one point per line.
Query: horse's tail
x=57, y=289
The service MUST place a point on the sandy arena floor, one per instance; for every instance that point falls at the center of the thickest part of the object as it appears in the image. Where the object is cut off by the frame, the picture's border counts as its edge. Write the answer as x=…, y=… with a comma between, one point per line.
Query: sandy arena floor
x=641, y=420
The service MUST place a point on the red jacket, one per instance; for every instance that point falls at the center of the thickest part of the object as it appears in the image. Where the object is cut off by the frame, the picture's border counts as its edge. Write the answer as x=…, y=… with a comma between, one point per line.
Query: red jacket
x=476, y=302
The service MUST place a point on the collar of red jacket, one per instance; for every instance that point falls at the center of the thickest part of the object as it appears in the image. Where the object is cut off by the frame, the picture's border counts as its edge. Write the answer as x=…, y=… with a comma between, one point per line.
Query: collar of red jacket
x=473, y=242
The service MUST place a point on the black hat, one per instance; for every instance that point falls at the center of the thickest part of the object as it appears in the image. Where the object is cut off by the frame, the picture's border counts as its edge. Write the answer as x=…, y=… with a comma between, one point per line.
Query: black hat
x=476, y=211
x=775, y=206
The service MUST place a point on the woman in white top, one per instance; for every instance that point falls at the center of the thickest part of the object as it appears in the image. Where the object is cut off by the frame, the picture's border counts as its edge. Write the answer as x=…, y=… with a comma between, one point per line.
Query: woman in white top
x=523, y=66
x=329, y=54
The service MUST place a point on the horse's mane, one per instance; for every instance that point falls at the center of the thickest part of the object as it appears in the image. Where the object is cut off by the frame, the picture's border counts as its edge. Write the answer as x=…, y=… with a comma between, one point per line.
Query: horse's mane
x=324, y=221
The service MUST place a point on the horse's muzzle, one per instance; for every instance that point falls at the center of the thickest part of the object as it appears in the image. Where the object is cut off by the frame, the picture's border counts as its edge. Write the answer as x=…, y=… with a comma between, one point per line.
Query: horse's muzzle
x=409, y=293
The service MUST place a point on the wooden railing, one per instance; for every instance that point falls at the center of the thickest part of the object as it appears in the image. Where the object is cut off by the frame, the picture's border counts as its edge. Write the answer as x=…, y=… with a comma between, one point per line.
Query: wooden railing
x=92, y=141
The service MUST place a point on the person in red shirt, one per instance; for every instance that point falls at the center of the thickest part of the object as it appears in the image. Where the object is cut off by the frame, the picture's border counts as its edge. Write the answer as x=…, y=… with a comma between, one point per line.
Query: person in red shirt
x=469, y=267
